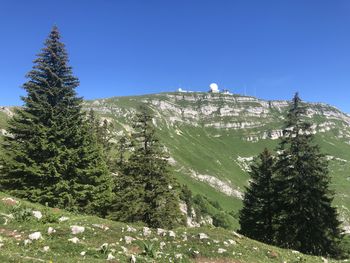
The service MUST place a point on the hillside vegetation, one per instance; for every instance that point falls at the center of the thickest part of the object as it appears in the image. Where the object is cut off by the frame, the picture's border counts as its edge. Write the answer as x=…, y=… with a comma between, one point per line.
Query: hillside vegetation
x=35, y=233
x=212, y=139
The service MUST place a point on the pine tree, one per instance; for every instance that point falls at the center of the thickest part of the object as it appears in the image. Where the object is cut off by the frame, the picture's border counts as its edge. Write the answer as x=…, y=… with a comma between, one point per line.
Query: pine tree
x=306, y=220
x=256, y=216
x=146, y=191
x=51, y=155
x=103, y=131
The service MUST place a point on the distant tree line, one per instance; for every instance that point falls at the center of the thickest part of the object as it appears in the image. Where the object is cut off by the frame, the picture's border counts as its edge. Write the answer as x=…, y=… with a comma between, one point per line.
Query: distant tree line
x=288, y=202
x=59, y=155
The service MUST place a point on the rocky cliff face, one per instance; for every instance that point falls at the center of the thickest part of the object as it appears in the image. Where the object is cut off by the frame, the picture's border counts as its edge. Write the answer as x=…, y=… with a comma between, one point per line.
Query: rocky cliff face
x=255, y=116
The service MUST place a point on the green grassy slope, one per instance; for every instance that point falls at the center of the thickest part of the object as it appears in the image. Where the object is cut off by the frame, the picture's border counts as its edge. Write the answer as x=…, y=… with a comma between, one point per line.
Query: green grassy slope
x=103, y=238
x=212, y=138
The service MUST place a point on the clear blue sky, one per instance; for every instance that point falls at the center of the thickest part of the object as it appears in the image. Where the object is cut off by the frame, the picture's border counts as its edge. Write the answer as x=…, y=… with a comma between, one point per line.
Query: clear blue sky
x=268, y=48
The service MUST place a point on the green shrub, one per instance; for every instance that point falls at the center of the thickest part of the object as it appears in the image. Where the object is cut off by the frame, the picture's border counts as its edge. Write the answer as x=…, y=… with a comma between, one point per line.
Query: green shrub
x=223, y=220
x=21, y=213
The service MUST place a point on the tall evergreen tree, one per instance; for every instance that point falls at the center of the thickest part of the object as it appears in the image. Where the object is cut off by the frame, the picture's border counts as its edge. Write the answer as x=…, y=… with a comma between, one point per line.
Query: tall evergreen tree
x=306, y=219
x=256, y=216
x=146, y=191
x=51, y=156
x=103, y=130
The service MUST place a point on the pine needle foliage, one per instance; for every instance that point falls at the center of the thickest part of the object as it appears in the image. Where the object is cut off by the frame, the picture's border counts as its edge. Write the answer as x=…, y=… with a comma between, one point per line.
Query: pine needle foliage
x=306, y=219
x=51, y=155
x=146, y=191
x=256, y=216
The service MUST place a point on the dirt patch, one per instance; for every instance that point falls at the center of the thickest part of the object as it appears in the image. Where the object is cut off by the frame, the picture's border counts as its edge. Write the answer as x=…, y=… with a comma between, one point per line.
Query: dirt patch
x=215, y=260
x=135, y=250
x=10, y=233
x=9, y=201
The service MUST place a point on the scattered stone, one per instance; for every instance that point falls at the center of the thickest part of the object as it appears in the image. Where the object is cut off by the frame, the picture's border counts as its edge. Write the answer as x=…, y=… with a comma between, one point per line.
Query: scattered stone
x=147, y=231
x=77, y=229
x=178, y=256
x=63, y=218
x=161, y=232
x=51, y=230
x=74, y=240
x=171, y=234
x=324, y=260
x=83, y=253
x=203, y=236
x=104, y=247
x=221, y=250
x=130, y=229
x=110, y=256
x=162, y=244
x=236, y=234
x=125, y=250
x=128, y=239
x=35, y=236
x=133, y=259
x=46, y=248
x=295, y=252
x=232, y=242
x=27, y=242
x=103, y=227
x=37, y=214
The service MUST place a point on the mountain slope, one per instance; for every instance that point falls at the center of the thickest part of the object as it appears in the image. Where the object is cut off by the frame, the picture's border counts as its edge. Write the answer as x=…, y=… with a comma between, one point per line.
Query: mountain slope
x=212, y=138
x=59, y=236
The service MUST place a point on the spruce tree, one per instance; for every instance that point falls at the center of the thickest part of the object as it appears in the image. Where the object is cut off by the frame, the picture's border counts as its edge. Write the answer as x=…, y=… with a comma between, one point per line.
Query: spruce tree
x=256, y=216
x=306, y=220
x=51, y=156
x=146, y=191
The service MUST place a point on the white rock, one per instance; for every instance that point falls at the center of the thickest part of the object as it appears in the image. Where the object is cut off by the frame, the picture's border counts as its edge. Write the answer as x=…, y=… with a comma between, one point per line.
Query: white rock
x=162, y=245
x=51, y=230
x=35, y=236
x=46, y=248
x=128, y=239
x=74, y=240
x=133, y=259
x=147, y=231
x=171, y=234
x=110, y=256
x=63, y=218
x=27, y=242
x=161, y=232
x=178, y=256
x=203, y=236
x=37, y=214
x=236, y=234
x=77, y=229
x=104, y=246
x=83, y=253
x=105, y=228
x=221, y=250
x=232, y=242
x=130, y=229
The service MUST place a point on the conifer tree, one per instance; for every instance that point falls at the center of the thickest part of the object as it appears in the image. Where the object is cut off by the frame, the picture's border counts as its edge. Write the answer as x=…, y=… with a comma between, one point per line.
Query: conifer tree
x=306, y=220
x=146, y=191
x=51, y=156
x=256, y=216
x=103, y=131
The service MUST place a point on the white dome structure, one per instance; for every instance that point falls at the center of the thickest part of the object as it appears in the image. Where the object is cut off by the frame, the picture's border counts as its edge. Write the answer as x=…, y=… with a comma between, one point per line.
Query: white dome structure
x=214, y=88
